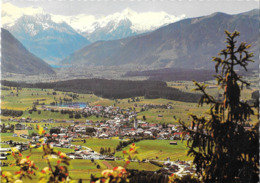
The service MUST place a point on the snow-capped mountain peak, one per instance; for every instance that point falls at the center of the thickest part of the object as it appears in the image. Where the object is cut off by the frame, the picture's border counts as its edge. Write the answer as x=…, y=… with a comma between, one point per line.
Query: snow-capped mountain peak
x=11, y=13
x=94, y=27
x=135, y=22
x=141, y=22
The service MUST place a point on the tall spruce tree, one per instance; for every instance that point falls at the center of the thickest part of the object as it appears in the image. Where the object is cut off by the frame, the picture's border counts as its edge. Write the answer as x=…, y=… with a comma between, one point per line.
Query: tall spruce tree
x=223, y=150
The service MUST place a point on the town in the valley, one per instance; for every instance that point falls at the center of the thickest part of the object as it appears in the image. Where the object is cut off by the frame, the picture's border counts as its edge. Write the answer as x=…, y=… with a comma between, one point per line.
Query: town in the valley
x=121, y=124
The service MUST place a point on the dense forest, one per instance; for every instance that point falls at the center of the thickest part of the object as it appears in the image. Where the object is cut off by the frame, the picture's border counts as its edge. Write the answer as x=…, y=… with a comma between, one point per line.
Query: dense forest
x=15, y=113
x=173, y=74
x=114, y=89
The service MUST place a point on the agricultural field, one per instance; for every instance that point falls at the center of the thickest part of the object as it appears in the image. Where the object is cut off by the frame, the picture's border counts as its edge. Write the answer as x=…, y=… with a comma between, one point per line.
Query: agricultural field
x=82, y=169
x=160, y=150
x=34, y=125
x=95, y=143
x=23, y=99
x=26, y=97
x=136, y=165
x=77, y=167
x=188, y=86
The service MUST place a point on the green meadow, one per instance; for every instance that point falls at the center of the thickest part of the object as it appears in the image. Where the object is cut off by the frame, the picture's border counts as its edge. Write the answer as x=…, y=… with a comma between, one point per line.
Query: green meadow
x=82, y=169
x=160, y=150
x=95, y=143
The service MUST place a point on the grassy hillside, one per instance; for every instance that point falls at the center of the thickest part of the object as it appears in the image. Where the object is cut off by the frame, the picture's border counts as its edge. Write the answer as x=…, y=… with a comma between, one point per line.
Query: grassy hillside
x=160, y=149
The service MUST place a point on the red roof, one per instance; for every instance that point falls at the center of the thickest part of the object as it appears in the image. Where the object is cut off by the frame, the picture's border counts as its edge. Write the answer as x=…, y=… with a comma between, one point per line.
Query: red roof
x=177, y=133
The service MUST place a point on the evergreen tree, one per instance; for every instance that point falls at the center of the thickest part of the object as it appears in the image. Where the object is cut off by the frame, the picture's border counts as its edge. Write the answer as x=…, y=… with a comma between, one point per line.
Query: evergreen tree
x=144, y=118
x=223, y=151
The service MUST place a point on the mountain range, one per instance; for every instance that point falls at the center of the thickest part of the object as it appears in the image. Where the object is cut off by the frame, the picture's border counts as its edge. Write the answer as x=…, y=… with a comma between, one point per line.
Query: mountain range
x=117, y=25
x=17, y=59
x=48, y=40
x=188, y=43
x=148, y=40
x=53, y=37
x=97, y=27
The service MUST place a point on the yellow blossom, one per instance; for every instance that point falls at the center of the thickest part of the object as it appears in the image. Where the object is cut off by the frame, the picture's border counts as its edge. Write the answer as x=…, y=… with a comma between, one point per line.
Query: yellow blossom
x=18, y=181
x=23, y=161
x=107, y=173
x=6, y=174
x=14, y=149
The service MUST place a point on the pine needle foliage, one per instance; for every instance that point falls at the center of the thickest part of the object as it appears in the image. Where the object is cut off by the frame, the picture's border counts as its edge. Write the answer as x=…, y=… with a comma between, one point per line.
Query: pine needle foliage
x=223, y=150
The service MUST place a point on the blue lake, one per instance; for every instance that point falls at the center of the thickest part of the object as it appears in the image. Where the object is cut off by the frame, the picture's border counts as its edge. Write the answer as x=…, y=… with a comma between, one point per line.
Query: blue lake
x=73, y=104
x=59, y=66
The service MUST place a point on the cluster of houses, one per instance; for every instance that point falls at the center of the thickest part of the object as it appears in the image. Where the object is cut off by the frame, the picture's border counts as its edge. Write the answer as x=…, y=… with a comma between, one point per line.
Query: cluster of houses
x=97, y=110
x=178, y=167
x=157, y=106
x=120, y=127
x=121, y=123
x=111, y=128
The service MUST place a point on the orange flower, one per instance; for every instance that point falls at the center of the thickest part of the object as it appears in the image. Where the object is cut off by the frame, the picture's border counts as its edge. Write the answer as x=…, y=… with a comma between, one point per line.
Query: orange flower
x=131, y=149
x=16, y=173
x=43, y=171
x=30, y=172
x=62, y=155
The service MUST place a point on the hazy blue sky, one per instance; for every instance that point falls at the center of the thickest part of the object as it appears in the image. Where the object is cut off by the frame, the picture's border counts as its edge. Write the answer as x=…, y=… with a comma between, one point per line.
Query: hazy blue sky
x=190, y=8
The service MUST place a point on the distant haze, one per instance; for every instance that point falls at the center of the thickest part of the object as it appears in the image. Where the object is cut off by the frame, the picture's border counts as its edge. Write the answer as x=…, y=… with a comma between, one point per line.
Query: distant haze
x=105, y=7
